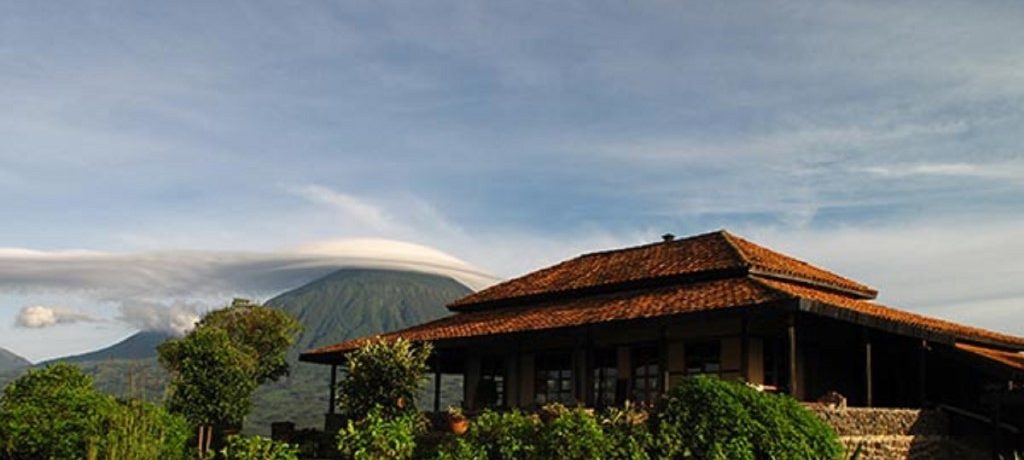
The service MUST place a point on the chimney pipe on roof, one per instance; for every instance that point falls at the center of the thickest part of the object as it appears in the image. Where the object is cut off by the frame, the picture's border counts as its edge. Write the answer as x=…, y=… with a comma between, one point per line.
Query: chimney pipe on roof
x=668, y=237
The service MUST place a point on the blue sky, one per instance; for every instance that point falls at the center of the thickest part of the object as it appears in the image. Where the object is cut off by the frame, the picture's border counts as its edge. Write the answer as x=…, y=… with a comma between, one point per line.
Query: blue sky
x=880, y=140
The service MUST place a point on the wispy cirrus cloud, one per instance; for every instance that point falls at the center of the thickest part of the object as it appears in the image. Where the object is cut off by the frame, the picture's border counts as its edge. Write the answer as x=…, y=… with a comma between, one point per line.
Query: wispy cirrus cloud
x=1013, y=170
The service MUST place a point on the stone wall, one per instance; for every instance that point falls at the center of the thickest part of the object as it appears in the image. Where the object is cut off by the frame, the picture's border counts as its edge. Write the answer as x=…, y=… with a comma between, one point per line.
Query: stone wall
x=894, y=433
x=861, y=421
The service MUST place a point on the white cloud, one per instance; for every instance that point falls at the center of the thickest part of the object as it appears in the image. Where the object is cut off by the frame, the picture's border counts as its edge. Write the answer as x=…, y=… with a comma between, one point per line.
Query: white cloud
x=359, y=211
x=177, y=318
x=1005, y=170
x=168, y=290
x=41, y=316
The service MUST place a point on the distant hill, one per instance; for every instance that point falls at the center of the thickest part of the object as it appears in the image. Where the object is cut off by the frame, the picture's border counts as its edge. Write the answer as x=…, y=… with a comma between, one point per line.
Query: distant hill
x=140, y=345
x=10, y=361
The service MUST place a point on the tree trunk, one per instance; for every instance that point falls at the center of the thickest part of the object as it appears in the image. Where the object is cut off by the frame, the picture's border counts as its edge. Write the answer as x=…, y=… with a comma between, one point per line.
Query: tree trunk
x=209, y=437
x=199, y=441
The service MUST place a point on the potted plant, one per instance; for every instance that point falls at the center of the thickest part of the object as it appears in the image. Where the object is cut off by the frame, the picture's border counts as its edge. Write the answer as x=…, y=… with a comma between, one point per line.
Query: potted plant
x=458, y=423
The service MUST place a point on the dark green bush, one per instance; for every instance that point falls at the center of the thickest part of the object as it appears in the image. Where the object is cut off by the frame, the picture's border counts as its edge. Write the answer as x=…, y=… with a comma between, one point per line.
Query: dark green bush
x=258, y=448
x=52, y=413
x=629, y=437
x=708, y=418
x=508, y=435
x=382, y=436
x=385, y=375
x=574, y=434
x=140, y=431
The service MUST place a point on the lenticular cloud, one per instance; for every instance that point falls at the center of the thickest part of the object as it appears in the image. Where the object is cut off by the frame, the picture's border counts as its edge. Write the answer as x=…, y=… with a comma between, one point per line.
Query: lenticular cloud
x=168, y=290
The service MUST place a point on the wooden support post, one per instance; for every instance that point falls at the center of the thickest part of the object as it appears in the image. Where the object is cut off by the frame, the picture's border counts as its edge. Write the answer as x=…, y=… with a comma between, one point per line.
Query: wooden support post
x=869, y=390
x=922, y=374
x=793, y=390
x=437, y=382
x=333, y=401
x=744, y=349
x=663, y=360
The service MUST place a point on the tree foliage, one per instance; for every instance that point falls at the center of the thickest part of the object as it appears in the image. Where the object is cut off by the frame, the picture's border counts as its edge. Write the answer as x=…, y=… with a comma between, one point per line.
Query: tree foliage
x=216, y=367
x=140, y=430
x=384, y=373
x=211, y=378
x=56, y=413
x=259, y=331
x=52, y=413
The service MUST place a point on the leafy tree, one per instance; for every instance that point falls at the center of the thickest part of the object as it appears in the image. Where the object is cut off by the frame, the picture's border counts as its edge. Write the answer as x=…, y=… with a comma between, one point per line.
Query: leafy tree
x=52, y=413
x=216, y=367
x=212, y=379
x=383, y=373
x=211, y=382
x=259, y=331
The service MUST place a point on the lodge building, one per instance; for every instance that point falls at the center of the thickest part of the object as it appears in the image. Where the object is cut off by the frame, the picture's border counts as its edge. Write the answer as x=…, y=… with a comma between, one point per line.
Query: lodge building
x=628, y=323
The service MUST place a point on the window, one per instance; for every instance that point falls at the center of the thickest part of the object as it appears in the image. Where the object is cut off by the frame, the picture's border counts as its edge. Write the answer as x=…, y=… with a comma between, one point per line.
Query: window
x=703, y=357
x=646, y=374
x=606, y=378
x=492, y=382
x=554, y=379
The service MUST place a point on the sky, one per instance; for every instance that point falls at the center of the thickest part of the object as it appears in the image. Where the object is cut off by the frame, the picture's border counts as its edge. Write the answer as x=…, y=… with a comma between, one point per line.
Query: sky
x=160, y=157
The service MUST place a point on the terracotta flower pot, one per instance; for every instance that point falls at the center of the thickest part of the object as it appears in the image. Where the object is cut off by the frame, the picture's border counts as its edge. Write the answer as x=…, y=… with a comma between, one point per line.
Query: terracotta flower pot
x=458, y=425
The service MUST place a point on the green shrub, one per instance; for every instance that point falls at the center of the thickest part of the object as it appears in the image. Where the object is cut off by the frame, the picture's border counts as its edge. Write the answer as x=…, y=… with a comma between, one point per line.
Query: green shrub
x=142, y=431
x=380, y=436
x=459, y=448
x=629, y=437
x=383, y=374
x=785, y=429
x=52, y=413
x=508, y=435
x=708, y=418
x=574, y=434
x=258, y=448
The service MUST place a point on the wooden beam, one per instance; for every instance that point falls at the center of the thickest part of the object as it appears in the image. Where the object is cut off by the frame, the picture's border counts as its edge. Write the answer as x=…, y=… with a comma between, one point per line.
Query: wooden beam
x=869, y=390
x=437, y=382
x=922, y=374
x=333, y=400
x=744, y=349
x=792, y=356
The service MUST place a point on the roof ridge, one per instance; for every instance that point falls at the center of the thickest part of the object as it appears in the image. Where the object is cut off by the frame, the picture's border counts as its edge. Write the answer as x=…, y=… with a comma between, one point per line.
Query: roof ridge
x=730, y=240
x=851, y=285
x=648, y=245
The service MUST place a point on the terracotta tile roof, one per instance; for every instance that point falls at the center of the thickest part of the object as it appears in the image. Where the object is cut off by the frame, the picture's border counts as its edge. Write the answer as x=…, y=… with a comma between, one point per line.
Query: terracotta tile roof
x=892, y=315
x=1013, y=359
x=664, y=301
x=702, y=254
x=744, y=274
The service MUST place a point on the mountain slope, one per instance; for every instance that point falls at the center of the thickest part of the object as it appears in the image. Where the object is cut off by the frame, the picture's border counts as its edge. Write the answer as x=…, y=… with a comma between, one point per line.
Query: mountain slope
x=10, y=361
x=357, y=302
x=141, y=345
x=345, y=304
